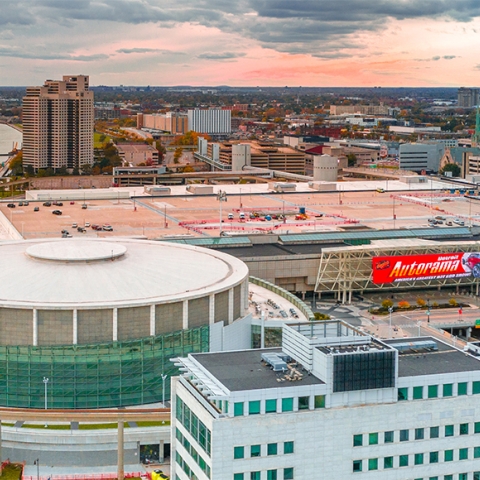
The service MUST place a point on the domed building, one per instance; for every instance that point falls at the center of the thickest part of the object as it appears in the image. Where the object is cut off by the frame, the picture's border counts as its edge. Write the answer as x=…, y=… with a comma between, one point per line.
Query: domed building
x=101, y=319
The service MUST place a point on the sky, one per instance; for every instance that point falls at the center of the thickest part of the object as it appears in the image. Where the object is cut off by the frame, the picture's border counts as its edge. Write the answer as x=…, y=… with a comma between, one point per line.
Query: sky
x=242, y=42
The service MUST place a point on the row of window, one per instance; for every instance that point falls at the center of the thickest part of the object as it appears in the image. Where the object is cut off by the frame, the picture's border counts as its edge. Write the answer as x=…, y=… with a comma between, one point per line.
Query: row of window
x=288, y=474
x=194, y=426
x=460, y=476
x=415, y=459
x=184, y=466
x=406, y=435
x=433, y=391
x=256, y=407
x=193, y=453
x=262, y=450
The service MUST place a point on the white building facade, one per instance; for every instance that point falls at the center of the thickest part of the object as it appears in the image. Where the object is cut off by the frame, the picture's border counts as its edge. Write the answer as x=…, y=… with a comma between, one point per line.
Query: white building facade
x=213, y=121
x=333, y=403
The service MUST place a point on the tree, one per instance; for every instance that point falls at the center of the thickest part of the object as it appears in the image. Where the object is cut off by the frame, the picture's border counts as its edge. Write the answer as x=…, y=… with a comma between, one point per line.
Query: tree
x=387, y=303
x=450, y=167
x=453, y=302
x=321, y=316
x=352, y=159
x=86, y=169
x=421, y=302
x=177, y=155
x=403, y=304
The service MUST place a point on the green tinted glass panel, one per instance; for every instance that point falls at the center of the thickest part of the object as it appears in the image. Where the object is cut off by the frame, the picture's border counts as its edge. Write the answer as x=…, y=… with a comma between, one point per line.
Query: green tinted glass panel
x=432, y=391
x=373, y=439
x=448, y=456
x=388, y=462
x=287, y=404
x=357, y=466
x=288, y=447
x=463, y=454
x=238, y=452
x=449, y=430
x=255, y=450
x=462, y=388
x=271, y=406
x=403, y=460
x=476, y=388
x=272, y=449
x=448, y=390
x=358, y=440
x=238, y=409
x=402, y=394
x=319, y=401
x=434, y=432
x=254, y=407
x=417, y=393
x=388, y=437
x=373, y=463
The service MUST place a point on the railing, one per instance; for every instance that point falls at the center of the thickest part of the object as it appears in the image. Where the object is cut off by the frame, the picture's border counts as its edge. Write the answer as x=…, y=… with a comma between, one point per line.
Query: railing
x=85, y=476
x=300, y=304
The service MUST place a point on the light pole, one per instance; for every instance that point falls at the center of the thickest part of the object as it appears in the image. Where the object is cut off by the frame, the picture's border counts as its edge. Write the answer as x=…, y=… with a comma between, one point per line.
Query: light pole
x=221, y=197
x=390, y=310
x=164, y=377
x=37, y=463
x=428, y=311
x=45, y=382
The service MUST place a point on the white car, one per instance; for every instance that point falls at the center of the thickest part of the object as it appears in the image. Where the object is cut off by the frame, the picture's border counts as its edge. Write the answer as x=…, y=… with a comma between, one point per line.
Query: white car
x=74, y=225
x=87, y=224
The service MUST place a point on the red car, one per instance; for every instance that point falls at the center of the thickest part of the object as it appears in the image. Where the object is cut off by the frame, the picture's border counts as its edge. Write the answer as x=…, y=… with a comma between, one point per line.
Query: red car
x=473, y=263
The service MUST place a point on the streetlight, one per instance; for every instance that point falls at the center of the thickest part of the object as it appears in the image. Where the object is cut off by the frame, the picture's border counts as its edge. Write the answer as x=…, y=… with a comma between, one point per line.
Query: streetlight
x=164, y=377
x=37, y=463
x=428, y=311
x=45, y=382
x=390, y=310
x=221, y=197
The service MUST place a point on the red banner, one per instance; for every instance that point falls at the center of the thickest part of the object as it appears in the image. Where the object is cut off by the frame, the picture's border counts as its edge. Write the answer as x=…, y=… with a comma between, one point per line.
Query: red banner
x=436, y=266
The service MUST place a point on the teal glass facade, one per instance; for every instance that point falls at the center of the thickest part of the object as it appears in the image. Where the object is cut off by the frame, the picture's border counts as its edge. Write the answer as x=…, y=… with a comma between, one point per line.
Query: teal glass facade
x=103, y=375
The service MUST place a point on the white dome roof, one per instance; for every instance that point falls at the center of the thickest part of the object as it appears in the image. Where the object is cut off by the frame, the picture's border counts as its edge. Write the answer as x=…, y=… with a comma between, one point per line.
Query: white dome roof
x=71, y=273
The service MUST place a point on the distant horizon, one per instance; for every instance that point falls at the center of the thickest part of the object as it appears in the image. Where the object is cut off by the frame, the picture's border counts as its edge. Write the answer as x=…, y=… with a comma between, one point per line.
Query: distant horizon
x=265, y=43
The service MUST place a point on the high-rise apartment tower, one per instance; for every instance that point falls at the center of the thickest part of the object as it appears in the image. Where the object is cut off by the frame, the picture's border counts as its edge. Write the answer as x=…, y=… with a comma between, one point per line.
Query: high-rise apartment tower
x=58, y=121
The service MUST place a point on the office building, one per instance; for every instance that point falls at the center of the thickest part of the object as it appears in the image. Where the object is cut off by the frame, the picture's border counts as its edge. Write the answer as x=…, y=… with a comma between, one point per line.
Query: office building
x=58, y=120
x=332, y=403
x=419, y=157
x=213, y=121
x=468, y=97
x=171, y=122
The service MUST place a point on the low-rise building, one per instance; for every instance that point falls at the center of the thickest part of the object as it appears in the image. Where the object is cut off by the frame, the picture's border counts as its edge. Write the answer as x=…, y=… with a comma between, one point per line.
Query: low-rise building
x=136, y=153
x=331, y=403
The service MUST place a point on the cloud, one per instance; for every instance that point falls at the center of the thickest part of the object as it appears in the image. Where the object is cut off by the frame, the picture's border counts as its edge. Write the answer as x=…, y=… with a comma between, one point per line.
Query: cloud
x=17, y=53
x=142, y=50
x=221, y=56
x=449, y=57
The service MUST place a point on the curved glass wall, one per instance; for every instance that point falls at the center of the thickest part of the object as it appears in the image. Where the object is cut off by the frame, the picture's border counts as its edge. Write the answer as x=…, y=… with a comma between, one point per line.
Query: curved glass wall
x=95, y=376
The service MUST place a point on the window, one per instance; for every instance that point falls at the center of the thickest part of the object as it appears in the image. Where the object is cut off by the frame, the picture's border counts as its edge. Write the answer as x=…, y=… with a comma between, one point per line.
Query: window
x=464, y=429
x=476, y=388
x=272, y=449
x=417, y=393
x=402, y=394
x=238, y=476
x=418, y=459
x=319, y=401
x=303, y=403
x=449, y=430
x=477, y=427
x=463, y=476
x=433, y=457
x=463, y=454
x=288, y=474
x=448, y=390
x=476, y=452
x=388, y=462
x=254, y=475
x=419, y=433
x=238, y=409
x=255, y=450
x=357, y=466
x=462, y=388
x=476, y=475
x=432, y=478
x=403, y=461
x=448, y=477
x=448, y=456
x=373, y=438
x=287, y=404
x=432, y=391
x=373, y=463
x=434, y=432
x=271, y=475
x=358, y=440
x=288, y=447
x=238, y=452
x=404, y=435
x=388, y=437
x=271, y=406
x=254, y=407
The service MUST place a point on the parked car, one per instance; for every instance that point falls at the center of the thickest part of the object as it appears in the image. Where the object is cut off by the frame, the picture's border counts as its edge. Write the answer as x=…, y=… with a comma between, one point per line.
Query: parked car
x=58, y=204
x=20, y=204
x=458, y=221
x=36, y=209
x=57, y=212
x=81, y=230
x=47, y=204
x=87, y=224
x=74, y=225
x=107, y=228
x=84, y=206
x=10, y=205
x=96, y=227
x=26, y=204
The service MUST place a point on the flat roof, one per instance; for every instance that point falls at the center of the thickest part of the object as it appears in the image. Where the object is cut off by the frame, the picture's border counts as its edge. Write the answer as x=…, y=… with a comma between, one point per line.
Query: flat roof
x=422, y=362
x=244, y=370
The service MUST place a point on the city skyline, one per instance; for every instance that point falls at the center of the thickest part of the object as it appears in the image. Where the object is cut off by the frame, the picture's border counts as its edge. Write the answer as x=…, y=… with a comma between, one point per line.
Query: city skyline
x=247, y=43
